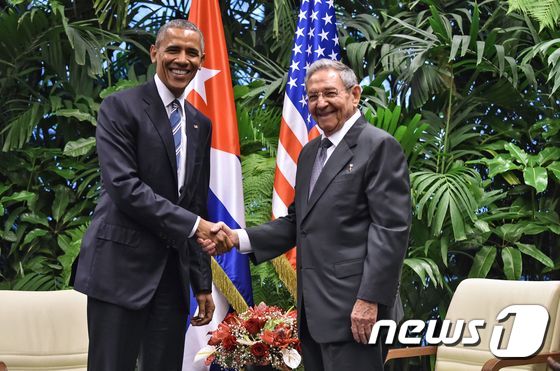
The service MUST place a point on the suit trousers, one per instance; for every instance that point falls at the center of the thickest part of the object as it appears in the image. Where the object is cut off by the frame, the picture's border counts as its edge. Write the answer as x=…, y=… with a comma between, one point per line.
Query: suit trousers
x=154, y=335
x=339, y=356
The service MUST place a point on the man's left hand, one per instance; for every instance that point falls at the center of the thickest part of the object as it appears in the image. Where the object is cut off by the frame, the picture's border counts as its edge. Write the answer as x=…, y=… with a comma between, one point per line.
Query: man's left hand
x=363, y=317
x=205, y=309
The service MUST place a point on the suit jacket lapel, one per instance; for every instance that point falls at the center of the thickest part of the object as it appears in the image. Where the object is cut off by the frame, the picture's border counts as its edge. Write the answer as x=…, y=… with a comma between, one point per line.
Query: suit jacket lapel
x=191, y=130
x=305, y=166
x=339, y=158
x=158, y=116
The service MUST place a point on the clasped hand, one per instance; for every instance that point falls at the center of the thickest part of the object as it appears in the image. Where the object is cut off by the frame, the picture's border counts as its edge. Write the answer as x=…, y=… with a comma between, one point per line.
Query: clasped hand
x=218, y=240
x=215, y=238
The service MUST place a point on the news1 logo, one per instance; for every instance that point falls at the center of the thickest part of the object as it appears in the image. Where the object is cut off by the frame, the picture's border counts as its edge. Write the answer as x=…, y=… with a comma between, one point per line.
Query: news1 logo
x=526, y=337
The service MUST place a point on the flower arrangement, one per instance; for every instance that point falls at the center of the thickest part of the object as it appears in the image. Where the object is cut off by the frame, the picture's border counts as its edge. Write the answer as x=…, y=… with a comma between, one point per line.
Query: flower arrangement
x=262, y=335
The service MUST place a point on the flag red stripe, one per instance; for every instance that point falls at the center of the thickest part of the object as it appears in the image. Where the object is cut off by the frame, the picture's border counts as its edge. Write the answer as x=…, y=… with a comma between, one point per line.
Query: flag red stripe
x=283, y=188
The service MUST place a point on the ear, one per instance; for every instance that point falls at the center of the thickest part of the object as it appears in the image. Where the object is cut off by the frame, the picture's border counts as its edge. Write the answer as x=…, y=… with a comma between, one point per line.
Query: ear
x=356, y=92
x=202, y=59
x=153, y=53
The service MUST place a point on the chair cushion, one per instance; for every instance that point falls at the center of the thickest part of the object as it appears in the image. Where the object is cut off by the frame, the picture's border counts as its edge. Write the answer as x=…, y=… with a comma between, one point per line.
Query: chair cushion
x=484, y=299
x=43, y=330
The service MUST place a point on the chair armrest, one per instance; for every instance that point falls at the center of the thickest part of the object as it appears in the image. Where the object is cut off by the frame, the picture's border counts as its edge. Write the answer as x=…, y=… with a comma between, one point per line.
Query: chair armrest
x=411, y=352
x=496, y=364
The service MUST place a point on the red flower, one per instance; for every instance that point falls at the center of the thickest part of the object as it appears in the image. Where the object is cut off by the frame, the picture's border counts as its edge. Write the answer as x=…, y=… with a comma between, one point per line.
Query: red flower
x=229, y=343
x=259, y=349
x=220, y=334
x=268, y=337
x=230, y=319
x=253, y=325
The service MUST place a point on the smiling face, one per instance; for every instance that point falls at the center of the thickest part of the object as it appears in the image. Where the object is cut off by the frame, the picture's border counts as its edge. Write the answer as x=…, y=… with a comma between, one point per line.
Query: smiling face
x=177, y=56
x=330, y=110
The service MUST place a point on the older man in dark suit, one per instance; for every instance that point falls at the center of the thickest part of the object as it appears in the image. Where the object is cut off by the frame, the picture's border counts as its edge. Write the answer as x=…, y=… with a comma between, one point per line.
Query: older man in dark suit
x=139, y=256
x=350, y=221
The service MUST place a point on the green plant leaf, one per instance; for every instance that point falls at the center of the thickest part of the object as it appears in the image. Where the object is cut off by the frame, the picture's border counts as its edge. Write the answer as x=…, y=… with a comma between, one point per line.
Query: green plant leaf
x=483, y=261
x=513, y=264
x=76, y=114
x=35, y=219
x=517, y=153
x=548, y=154
x=79, y=147
x=61, y=200
x=509, y=232
x=499, y=165
x=533, y=252
x=536, y=177
x=33, y=235
x=18, y=197
x=555, y=168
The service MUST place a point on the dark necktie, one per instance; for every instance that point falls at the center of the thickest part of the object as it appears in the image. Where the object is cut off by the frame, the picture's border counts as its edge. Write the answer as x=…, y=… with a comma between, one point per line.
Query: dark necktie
x=319, y=163
x=175, y=120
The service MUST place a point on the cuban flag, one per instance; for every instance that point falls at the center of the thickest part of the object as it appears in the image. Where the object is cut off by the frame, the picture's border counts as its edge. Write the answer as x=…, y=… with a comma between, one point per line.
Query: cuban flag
x=316, y=38
x=211, y=92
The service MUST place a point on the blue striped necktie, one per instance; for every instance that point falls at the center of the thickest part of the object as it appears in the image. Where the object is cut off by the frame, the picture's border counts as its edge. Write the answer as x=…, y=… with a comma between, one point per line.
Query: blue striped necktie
x=175, y=120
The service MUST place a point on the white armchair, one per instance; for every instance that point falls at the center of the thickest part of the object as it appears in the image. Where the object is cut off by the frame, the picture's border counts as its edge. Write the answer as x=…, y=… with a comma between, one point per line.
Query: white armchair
x=43, y=330
x=484, y=299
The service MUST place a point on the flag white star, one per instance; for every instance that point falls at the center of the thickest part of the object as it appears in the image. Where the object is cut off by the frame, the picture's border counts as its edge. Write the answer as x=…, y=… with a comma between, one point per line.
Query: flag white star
x=308, y=50
x=333, y=56
x=327, y=18
x=302, y=15
x=311, y=32
x=330, y=2
x=324, y=35
x=303, y=101
x=320, y=51
x=297, y=49
x=299, y=32
x=335, y=39
x=314, y=15
x=294, y=66
x=292, y=82
x=199, y=81
x=306, y=66
x=304, y=1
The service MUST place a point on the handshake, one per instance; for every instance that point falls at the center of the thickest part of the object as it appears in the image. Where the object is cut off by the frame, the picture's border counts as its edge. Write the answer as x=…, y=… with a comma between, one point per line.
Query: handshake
x=216, y=238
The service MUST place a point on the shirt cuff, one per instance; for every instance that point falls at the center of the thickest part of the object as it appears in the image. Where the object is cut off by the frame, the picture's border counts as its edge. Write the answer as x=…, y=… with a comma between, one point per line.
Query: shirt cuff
x=195, y=227
x=244, y=242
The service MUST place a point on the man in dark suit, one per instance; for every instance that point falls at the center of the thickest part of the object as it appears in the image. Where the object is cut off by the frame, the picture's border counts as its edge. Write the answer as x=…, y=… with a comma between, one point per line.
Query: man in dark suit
x=139, y=256
x=350, y=222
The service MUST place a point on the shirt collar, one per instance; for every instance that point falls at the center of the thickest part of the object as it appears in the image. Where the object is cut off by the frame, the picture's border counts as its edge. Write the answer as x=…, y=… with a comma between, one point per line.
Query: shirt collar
x=166, y=95
x=336, y=137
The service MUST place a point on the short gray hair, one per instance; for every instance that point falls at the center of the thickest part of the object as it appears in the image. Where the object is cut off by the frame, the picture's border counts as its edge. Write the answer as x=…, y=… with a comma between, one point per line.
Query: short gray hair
x=182, y=24
x=346, y=74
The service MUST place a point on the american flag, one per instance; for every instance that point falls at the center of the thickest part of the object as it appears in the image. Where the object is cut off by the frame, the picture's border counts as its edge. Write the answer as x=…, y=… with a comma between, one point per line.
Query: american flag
x=315, y=38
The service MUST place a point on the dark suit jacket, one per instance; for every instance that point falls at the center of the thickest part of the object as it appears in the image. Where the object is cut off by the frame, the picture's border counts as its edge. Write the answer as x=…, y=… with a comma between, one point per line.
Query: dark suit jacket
x=140, y=215
x=351, y=234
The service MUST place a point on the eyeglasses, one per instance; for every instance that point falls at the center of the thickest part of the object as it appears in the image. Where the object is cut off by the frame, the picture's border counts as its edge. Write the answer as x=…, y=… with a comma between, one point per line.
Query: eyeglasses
x=328, y=94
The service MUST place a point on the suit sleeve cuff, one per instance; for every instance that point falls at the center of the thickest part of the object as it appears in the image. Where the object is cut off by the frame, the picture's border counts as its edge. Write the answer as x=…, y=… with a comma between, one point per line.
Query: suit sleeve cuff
x=195, y=227
x=244, y=242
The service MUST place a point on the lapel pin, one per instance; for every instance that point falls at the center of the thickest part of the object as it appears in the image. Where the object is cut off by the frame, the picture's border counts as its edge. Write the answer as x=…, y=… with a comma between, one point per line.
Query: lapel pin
x=195, y=125
x=350, y=167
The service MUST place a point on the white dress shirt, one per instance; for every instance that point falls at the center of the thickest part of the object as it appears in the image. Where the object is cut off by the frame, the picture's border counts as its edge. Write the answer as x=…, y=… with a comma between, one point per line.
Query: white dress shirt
x=167, y=98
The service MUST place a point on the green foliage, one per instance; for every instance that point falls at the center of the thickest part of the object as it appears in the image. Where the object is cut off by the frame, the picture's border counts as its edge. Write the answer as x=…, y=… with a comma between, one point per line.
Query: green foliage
x=258, y=179
x=546, y=12
x=44, y=217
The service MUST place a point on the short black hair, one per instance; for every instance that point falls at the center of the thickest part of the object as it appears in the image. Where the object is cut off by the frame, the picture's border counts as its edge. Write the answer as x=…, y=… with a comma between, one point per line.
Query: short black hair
x=182, y=24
